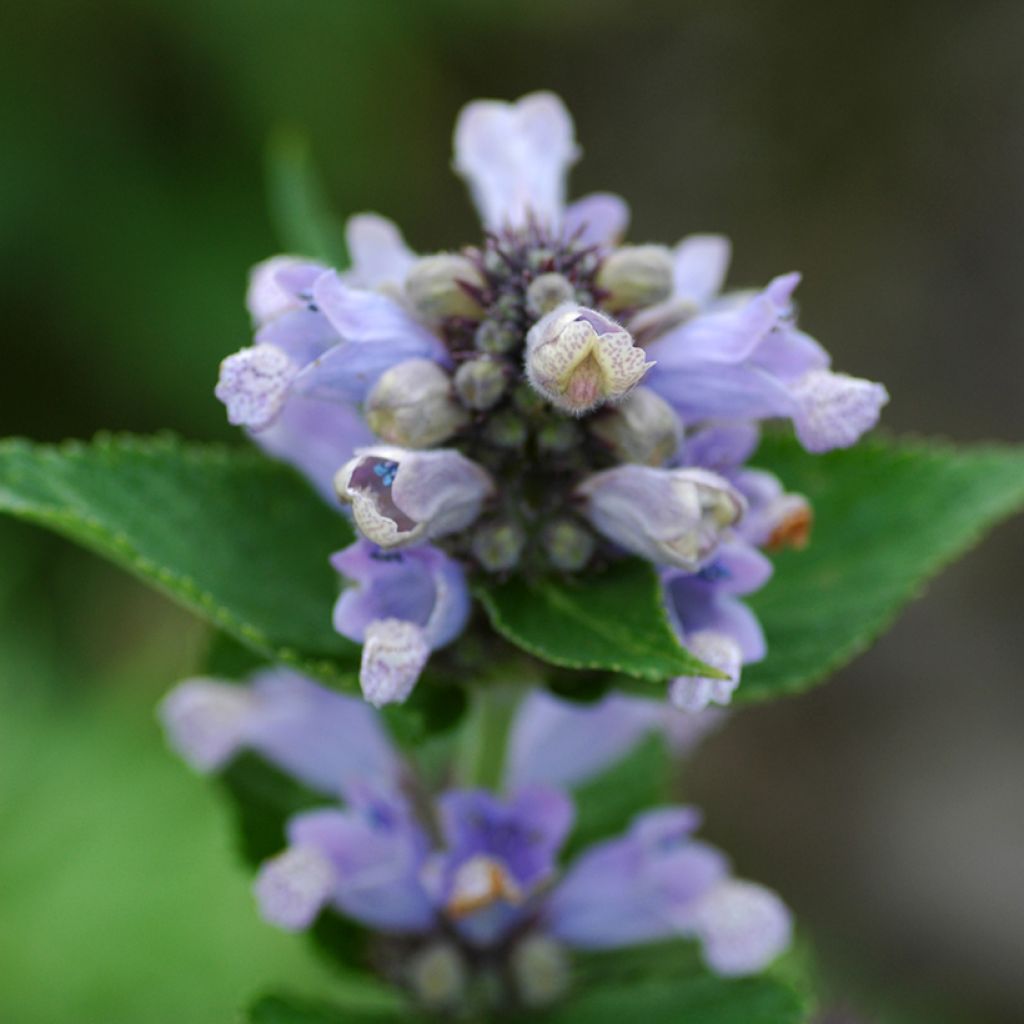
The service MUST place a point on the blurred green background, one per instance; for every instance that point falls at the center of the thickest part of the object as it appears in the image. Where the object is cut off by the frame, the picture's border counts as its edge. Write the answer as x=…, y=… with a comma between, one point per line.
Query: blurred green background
x=876, y=146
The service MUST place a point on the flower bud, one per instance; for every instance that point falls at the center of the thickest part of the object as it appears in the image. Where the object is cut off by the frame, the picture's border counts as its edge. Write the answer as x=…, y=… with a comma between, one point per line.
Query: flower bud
x=412, y=405
x=254, y=384
x=480, y=383
x=668, y=516
x=394, y=654
x=569, y=545
x=437, y=976
x=506, y=430
x=559, y=436
x=548, y=292
x=540, y=970
x=400, y=497
x=635, y=276
x=642, y=428
x=498, y=545
x=441, y=285
x=496, y=337
x=578, y=359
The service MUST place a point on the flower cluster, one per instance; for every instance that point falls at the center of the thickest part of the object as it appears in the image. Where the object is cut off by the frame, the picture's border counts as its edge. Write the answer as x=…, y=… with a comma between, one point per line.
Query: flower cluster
x=543, y=402
x=462, y=890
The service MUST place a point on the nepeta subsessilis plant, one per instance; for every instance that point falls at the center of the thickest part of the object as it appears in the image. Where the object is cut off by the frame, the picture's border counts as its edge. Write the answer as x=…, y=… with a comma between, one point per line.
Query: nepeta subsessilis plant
x=545, y=401
x=537, y=465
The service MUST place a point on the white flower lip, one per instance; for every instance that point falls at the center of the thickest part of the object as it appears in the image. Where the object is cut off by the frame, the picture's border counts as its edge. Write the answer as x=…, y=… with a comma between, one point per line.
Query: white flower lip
x=578, y=359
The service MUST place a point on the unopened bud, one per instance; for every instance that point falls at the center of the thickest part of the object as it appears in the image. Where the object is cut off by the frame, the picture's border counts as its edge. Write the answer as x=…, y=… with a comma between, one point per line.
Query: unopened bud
x=400, y=497
x=559, y=436
x=480, y=383
x=635, y=276
x=578, y=359
x=548, y=292
x=441, y=285
x=412, y=405
x=642, y=428
x=668, y=516
x=569, y=545
x=437, y=976
x=506, y=430
x=497, y=546
x=540, y=969
x=495, y=337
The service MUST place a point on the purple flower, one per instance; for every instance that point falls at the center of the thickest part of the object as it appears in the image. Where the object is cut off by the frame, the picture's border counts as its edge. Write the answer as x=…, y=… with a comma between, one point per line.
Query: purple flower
x=744, y=358
x=582, y=389
x=668, y=516
x=364, y=860
x=324, y=739
x=476, y=872
x=714, y=624
x=401, y=497
x=402, y=605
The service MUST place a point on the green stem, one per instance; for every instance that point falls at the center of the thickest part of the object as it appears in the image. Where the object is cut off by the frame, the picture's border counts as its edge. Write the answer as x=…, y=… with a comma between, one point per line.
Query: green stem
x=485, y=733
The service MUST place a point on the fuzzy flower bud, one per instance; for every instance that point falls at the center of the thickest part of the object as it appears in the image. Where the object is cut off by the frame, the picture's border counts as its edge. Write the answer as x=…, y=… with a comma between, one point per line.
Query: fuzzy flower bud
x=548, y=292
x=568, y=544
x=578, y=359
x=206, y=720
x=642, y=428
x=394, y=654
x=254, y=384
x=400, y=497
x=497, y=546
x=437, y=976
x=506, y=430
x=668, y=516
x=496, y=337
x=559, y=436
x=540, y=970
x=437, y=287
x=635, y=276
x=480, y=383
x=412, y=405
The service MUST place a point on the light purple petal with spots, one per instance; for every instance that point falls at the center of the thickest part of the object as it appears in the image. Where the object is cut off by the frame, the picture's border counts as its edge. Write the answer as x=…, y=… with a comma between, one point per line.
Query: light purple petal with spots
x=302, y=333
x=277, y=285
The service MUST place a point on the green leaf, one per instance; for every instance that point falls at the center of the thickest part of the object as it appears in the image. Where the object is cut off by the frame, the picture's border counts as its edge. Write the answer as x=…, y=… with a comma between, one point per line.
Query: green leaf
x=888, y=516
x=293, y=1010
x=300, y=210
x=605, y=805
x=701, y=999
x=614, y=621
x=236, y=537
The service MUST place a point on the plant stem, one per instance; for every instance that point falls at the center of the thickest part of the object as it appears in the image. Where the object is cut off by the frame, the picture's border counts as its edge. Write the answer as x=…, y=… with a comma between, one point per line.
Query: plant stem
x=481, y=759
